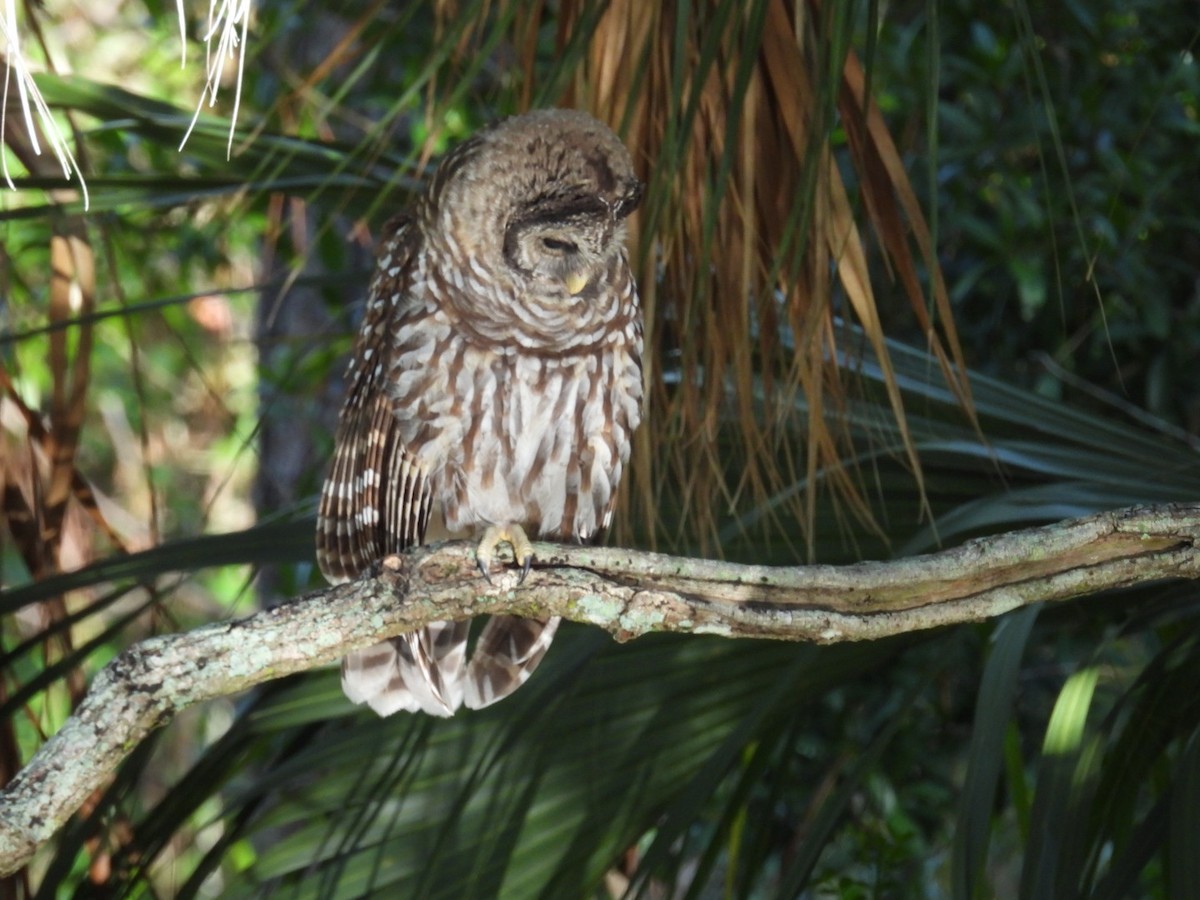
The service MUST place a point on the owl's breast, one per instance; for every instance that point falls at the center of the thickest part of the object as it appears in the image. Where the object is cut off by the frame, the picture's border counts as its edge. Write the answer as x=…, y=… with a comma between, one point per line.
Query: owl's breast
x=538, y=441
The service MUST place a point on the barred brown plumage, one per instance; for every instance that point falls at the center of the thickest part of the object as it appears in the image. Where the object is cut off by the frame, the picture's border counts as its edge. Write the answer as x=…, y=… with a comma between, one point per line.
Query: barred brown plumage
x=494, y=387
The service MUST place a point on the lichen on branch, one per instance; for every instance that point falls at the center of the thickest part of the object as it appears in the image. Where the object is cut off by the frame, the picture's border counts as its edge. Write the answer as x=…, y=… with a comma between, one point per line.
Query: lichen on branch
x=626, y=592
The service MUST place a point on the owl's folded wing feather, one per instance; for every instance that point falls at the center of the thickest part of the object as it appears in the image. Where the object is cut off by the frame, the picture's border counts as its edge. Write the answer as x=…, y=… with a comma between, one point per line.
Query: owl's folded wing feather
x=376, y=499
x=376, y=502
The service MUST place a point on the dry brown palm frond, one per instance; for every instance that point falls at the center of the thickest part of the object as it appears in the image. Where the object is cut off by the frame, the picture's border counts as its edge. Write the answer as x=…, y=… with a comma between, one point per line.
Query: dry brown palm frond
x=750, y=247
x=48, y=507
x=70, y=301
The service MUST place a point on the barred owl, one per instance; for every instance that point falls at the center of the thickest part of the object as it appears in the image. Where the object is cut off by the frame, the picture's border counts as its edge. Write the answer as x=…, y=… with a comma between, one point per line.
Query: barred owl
x=494, y=388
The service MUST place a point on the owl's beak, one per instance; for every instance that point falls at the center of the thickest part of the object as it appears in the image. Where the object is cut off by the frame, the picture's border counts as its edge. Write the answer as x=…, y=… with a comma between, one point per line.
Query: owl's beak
x=576, y=282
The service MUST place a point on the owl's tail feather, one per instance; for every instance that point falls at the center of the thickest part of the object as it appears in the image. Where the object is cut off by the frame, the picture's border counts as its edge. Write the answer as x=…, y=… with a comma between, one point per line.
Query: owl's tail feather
x=508, y=651
x=428, y=671
x=425, y=670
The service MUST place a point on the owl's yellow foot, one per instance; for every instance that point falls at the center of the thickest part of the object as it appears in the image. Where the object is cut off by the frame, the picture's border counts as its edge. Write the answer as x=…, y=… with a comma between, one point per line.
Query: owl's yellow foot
x=514, y=535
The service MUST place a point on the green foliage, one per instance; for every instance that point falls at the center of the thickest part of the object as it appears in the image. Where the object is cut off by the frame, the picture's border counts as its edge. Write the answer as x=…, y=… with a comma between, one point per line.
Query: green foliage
x=1064, y=189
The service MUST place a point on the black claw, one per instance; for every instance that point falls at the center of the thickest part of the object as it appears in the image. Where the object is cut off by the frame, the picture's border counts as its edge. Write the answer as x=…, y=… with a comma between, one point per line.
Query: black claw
x=483, y=569
x=525, y=568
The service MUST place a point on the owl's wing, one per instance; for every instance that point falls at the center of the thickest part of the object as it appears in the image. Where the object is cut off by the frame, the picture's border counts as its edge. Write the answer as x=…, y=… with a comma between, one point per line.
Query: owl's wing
x=377, y=501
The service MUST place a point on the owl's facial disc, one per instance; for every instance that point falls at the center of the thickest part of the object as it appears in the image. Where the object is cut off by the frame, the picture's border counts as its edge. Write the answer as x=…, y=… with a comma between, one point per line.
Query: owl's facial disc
x=560, y=256
x=563, y=240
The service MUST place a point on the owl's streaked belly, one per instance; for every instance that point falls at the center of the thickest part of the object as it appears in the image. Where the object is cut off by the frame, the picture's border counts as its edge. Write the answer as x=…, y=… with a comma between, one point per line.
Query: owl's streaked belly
x=536, y=441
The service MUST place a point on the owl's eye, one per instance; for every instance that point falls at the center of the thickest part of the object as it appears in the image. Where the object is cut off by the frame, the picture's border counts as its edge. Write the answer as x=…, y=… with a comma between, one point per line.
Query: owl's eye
x=630, y=201
x=559, y=246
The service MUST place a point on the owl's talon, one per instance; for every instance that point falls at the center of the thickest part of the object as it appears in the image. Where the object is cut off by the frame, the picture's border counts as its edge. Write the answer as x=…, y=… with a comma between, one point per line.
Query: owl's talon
x=482, y=565
x=514, y=535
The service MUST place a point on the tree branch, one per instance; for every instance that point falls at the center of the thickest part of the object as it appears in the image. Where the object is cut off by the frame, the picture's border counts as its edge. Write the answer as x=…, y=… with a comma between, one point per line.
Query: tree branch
x=626, y=592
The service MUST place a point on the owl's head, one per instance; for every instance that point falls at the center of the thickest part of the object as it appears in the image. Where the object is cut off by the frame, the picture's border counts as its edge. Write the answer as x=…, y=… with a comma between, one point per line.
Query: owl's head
x=539, y=202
